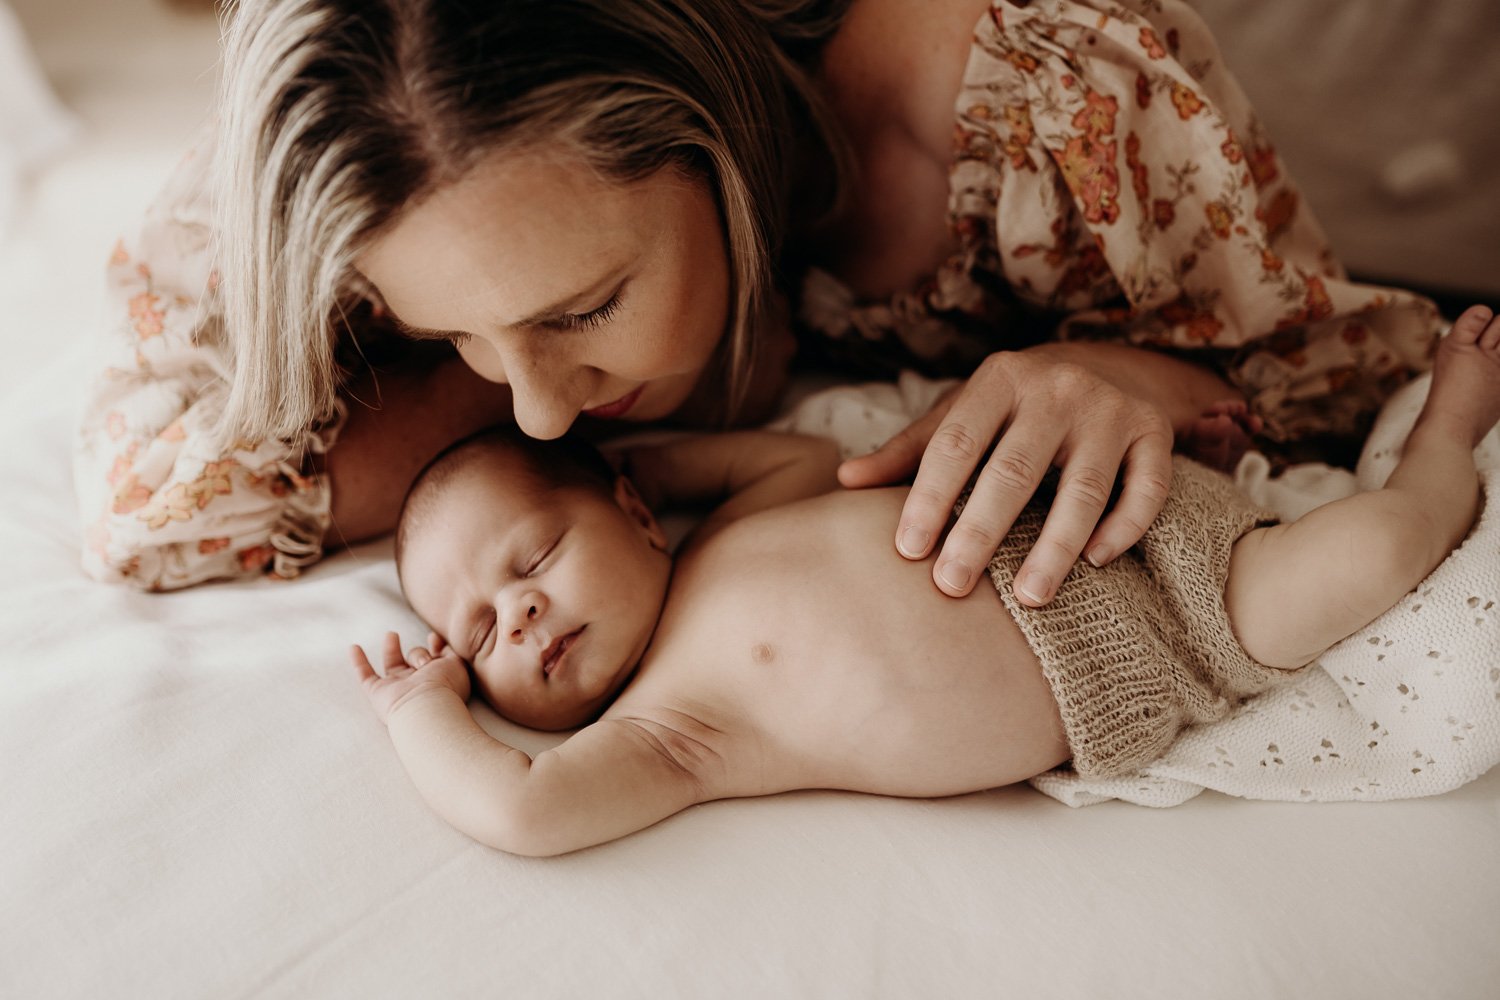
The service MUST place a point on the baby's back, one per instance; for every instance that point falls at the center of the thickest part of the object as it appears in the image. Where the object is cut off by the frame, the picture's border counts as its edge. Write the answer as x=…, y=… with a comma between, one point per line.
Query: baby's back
x=805, y=653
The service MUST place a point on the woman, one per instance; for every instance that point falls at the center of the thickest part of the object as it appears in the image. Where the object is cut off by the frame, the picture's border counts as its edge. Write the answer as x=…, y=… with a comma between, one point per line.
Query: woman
x=606, y=207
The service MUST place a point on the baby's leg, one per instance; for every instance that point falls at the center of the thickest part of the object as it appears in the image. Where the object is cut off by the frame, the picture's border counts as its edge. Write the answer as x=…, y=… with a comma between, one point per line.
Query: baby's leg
x=1296, y=589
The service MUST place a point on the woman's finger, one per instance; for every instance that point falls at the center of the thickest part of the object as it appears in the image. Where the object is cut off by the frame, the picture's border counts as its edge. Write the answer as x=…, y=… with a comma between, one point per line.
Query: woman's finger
x=895, y=460
x=1083, y=492
x=1004, y=486
x=1146, y=478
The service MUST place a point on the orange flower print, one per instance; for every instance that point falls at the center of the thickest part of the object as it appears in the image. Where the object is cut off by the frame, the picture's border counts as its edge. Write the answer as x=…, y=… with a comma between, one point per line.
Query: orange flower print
x=1270, y=263
x=114, y=425
x=256, y=557
x=1340, y=377
x=118, y=256
x=1163, y=213
x=1152, y=44
x=173, y=432
x=1315, y=306
x=1262, y=163
x=1097, y=116
x=130, y=496
x=1220, y=218
x=208, y=546
x=1022, y=61
x=1355, y=334
x=212, y=482
x=1086, y=271
x=1018, y=117
x=1087, y=162
x=1231, y=150
x=1142, y=91
x=146, y=316
x=1186, y=101
x=176, y=504
x=1195, y=323
x=1277, y=216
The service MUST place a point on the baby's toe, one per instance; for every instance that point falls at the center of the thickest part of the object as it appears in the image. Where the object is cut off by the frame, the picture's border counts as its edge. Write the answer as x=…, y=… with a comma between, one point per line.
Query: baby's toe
x=1476, y=320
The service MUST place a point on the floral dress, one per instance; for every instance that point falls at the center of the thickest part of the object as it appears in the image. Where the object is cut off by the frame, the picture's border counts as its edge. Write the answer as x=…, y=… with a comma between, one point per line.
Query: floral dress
x=1106, y=166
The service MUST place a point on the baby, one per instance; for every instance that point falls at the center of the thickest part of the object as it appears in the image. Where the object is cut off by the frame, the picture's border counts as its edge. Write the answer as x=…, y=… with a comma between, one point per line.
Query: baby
x=788, y=646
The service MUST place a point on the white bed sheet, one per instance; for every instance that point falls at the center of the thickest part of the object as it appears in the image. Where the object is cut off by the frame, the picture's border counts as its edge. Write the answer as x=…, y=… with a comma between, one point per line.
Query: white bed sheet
x=195, y=800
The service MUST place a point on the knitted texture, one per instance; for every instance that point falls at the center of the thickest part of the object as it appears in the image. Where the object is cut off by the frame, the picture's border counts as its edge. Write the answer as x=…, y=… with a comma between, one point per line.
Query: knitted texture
x=1142, y=647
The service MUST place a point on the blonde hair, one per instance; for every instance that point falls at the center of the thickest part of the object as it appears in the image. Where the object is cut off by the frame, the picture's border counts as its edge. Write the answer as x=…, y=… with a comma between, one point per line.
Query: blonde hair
x=337, y=114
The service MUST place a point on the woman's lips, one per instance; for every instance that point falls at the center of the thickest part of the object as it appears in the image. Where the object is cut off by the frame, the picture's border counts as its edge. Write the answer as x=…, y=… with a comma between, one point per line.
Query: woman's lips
x=553, y=654
x=611, y=411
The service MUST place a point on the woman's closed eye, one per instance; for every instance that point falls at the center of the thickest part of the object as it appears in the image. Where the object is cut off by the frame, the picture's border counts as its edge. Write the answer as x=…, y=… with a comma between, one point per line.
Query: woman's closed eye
x=588, y=320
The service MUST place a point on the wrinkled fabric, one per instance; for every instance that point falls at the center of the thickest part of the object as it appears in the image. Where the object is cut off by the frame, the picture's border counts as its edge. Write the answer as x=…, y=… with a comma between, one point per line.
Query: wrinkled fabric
x=1107, y=167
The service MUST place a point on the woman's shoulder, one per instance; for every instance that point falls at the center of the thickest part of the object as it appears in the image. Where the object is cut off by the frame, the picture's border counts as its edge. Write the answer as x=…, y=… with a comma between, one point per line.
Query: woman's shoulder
x=897, y=65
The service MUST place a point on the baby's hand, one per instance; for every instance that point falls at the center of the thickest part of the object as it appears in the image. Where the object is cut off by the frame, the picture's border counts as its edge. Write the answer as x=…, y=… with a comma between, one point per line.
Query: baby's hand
x=405, y=677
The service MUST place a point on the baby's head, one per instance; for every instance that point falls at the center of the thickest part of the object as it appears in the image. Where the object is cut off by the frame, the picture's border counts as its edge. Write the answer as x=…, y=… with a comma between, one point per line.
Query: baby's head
x=540, y=566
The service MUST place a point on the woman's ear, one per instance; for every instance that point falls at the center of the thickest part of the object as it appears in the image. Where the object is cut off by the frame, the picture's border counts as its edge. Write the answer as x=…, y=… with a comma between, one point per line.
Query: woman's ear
x=631, y=503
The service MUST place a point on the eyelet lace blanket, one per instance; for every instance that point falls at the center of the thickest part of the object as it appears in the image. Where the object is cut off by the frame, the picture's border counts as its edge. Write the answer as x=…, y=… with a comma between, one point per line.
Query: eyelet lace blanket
x=1407, y=707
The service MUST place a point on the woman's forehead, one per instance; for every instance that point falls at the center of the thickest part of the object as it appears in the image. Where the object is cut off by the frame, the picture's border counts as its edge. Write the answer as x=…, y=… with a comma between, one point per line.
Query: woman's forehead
x=519, y=233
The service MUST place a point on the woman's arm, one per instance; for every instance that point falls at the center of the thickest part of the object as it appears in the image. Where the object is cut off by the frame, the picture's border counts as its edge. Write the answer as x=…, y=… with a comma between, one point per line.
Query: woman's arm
x=749, y=471
x=1097, y=411
x=397, y=422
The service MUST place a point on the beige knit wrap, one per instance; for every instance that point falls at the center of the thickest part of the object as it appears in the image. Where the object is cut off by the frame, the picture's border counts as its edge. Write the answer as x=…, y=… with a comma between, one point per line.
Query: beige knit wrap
x=1142, y=647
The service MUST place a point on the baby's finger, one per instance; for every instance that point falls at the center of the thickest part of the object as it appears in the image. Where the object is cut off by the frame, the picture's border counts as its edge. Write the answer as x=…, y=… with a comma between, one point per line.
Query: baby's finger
x=1147, y=478
x=362, y=663
x=418, y=656
x=391, y=652
x=1003, y=487
x=1082, y=494
x=436, y=643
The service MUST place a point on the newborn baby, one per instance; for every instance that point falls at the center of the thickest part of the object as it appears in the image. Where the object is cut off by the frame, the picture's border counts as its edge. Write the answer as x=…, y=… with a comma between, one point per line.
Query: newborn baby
x=787, y=645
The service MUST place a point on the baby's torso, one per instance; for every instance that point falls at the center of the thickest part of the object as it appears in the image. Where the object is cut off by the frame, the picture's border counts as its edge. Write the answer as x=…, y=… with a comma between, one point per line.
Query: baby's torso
x=806, y=653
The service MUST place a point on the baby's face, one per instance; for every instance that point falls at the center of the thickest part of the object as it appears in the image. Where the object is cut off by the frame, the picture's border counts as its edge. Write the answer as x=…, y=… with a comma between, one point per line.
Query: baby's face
x=550, y=593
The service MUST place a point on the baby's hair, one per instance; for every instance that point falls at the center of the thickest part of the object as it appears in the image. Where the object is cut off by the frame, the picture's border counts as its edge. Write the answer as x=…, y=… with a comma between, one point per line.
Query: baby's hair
x=545, y=465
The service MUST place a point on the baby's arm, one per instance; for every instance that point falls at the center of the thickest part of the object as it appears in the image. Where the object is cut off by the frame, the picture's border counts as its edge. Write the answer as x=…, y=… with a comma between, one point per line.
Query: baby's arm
x=749, y=470
x=611, y=778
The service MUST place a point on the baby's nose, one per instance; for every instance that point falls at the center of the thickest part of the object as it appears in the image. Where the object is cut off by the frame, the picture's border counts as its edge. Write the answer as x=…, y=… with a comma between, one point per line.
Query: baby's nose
x=518, y=634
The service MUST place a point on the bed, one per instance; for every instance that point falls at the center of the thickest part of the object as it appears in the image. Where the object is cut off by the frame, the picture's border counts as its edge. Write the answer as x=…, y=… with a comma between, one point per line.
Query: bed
x=197, y=801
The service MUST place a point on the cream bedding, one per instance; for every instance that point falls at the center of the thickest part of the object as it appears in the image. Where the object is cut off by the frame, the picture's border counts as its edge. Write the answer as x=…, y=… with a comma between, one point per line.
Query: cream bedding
x=196, y=802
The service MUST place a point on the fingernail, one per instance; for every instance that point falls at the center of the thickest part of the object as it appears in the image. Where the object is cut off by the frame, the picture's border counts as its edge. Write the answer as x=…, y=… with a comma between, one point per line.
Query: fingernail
x=955, y=574
x=1097, y=556
x=914, y=542
x=1034, y=587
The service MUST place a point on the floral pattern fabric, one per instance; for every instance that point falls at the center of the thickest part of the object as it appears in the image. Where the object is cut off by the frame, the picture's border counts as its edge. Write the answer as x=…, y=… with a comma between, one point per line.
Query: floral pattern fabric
x=162, y=505
x=1108, y=167
x=1105, y=165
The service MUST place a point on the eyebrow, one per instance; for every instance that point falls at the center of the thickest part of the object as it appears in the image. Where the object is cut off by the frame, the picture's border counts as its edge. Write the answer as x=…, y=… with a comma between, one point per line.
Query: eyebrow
x=550, y=315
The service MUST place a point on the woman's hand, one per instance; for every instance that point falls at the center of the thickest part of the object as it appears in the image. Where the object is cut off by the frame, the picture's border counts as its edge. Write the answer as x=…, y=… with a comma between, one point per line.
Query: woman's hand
x=402, y=678
x=1037, y=412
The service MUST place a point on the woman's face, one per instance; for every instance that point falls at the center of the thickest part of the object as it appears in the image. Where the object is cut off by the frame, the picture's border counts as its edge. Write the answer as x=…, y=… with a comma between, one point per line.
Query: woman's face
x=583, y=294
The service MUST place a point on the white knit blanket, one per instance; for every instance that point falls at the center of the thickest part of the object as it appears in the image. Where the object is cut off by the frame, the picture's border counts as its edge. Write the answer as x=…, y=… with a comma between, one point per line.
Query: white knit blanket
x=1409, y=706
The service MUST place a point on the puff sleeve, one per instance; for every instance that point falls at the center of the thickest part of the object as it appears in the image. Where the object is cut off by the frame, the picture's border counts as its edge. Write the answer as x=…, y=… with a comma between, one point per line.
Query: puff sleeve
x=163, y=504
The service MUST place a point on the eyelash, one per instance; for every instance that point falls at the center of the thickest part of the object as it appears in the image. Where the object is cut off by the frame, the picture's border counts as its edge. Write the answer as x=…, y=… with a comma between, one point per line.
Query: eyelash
x=569, y=321
x=589, y=320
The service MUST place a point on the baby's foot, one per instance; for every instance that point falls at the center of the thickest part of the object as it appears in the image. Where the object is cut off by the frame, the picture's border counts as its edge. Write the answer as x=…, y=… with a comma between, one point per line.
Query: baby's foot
x=1465, y=393
x=1220, y=437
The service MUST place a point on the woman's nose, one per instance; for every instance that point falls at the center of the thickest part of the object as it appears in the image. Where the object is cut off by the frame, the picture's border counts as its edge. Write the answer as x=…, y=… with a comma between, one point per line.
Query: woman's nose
x=524, y=613
x=546, y=403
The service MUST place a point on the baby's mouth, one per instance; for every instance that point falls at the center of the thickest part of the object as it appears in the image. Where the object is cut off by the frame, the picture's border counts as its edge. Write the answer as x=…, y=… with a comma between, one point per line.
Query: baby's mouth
x=553, y=654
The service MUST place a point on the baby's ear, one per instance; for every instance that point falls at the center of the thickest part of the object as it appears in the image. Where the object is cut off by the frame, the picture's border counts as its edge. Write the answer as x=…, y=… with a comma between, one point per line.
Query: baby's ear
x=631, y=503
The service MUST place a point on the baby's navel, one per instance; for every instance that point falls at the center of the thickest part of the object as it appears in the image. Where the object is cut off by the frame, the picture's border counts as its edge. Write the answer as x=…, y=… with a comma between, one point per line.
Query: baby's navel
x=762, y=653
